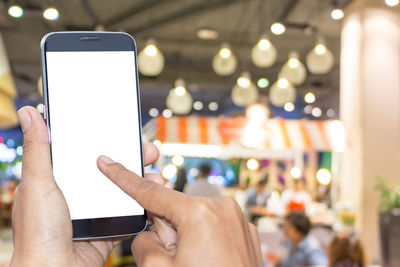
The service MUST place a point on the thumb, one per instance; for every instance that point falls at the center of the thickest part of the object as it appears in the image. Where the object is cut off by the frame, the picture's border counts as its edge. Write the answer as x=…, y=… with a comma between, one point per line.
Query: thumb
x=36, y=161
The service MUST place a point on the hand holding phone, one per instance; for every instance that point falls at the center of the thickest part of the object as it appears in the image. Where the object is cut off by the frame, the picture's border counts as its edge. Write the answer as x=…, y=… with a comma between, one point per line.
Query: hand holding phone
x=212, y=230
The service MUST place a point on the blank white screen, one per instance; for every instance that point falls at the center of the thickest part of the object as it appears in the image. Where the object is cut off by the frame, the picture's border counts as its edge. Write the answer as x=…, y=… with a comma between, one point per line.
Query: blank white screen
x=93, y=111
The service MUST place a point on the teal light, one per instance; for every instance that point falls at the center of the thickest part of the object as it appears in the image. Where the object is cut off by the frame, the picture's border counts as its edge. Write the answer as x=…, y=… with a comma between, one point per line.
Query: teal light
x=263, y=83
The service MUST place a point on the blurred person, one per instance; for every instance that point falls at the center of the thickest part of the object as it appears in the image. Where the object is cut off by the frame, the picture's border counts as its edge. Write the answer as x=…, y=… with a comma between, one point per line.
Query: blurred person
x=301, y=249
x=181, y=180
x=346, y=251
x=256, y=201
x=201, y=186
x=296, y=199
x=187, y=228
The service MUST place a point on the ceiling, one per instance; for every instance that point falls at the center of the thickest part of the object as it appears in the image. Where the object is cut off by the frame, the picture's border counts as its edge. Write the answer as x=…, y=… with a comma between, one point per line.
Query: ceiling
x=173, y=24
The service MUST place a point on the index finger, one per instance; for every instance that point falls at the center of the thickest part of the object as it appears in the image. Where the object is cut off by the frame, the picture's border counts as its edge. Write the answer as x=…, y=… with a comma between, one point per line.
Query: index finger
x=155, y=198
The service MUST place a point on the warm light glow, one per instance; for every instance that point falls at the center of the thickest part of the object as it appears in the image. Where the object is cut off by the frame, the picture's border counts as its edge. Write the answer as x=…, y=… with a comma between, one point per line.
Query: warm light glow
x=316, y=112
x=213, y=106
x=264, y=44
x=169, y=171
x=51, y=14
x=337, y=136
x=294, y=63
x=392, y=2
x=178, y=160
x=15, y=11
x=274, y=196
x=337, y=14
x=244, y=82
x=278, y=28
x=324, y=176
x=198, y=105
x=289, y=107
x=157, y=143
x=263, y=83
x=283, y=83
x=295, y=172
x=180, y=90
x=320, y=49
x=150, y=50
x=207, y=34
x=153, y=112
x=257, y=113
x=225, y=52
x=252, y=135
x=167, y=113
x=309, y=98
x=308, y=109
x=252, y=164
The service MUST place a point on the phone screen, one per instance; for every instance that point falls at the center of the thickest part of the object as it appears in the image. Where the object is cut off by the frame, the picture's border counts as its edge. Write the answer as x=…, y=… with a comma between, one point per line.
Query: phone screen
x=93, y=110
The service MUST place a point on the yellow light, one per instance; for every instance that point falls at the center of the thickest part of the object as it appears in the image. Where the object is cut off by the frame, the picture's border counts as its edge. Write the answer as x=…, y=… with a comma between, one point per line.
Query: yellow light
x=324, y=176
x=180, y=90
x=264, y=44
x=243, y=82
x=309, y=98
x=15, y=11
x=178, y=160
x=151, y=50
x=289, y=107
x=316, y=112
x=320, y=49
x=225, y=52
x=283, y=83
x=252, y=164
x=337, y=14
x=392, y=2
x=295, y=172
x=169, y=171
x=294, y=63
x=51, y=14
x=278, y=28
x=157, y=143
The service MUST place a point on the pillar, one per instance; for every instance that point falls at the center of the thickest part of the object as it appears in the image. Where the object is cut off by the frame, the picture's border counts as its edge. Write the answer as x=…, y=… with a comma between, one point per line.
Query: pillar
x=370, y=110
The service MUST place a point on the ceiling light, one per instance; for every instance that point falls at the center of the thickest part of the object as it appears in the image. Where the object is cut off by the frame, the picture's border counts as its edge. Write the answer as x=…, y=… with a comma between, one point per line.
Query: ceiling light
x=320, y=49
x=167, y=113
x=283, y=83
x=264, y=44
x=207, y=34
x=263, y=54
x=320, y=59
x=150, y=60
x=213, y=106
x=263, y=83
x=257, y=113
x=179, y=100
x=282, y=92
x=294, y=63
x=51, y=13
x=180, y=90
x=153, y=112
x=15, y=11
x=316, y=112
x=224, y=62
x=150, y=50
x=289, y=107
x=309, y=98
x=392, y=2
x=198, y=105
x=252, y=164
x=278, y=28
x=293, y=70
x=243, y=82
x=337, y=14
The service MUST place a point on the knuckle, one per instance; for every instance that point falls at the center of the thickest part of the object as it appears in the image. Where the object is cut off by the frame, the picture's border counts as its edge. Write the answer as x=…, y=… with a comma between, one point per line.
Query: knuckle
x=202, y=209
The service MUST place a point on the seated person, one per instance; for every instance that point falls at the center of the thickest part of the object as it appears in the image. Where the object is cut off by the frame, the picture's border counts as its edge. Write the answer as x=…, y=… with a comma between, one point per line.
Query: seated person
x=346, y=251
x=256, y=201
x=301, y=249
x=296, y=199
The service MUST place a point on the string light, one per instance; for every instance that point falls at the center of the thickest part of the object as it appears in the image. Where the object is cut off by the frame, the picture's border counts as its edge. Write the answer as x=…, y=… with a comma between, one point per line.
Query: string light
x=15, y=11
x=252, y=164
x=278, y=28
x=309, y=98
x=51, y=13
x=289, y=107
x=337, y=14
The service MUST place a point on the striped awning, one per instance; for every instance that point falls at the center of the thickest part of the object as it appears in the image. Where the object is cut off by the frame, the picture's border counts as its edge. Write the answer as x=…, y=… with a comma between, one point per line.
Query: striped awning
x=275, y=134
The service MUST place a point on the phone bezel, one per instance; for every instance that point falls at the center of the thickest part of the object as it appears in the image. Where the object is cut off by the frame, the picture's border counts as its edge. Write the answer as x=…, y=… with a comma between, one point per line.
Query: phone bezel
x=109, y=227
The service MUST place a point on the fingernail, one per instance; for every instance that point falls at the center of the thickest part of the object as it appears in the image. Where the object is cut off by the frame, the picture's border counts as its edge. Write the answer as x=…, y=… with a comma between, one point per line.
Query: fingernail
x=24, y=119
x=104, y=161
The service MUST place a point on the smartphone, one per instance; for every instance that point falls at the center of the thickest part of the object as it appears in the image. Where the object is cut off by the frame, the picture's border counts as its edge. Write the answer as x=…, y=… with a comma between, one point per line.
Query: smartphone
x=92, y=108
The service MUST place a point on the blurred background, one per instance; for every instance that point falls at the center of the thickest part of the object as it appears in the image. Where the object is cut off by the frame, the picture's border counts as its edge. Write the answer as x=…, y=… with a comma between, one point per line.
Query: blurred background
x=292, y=105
